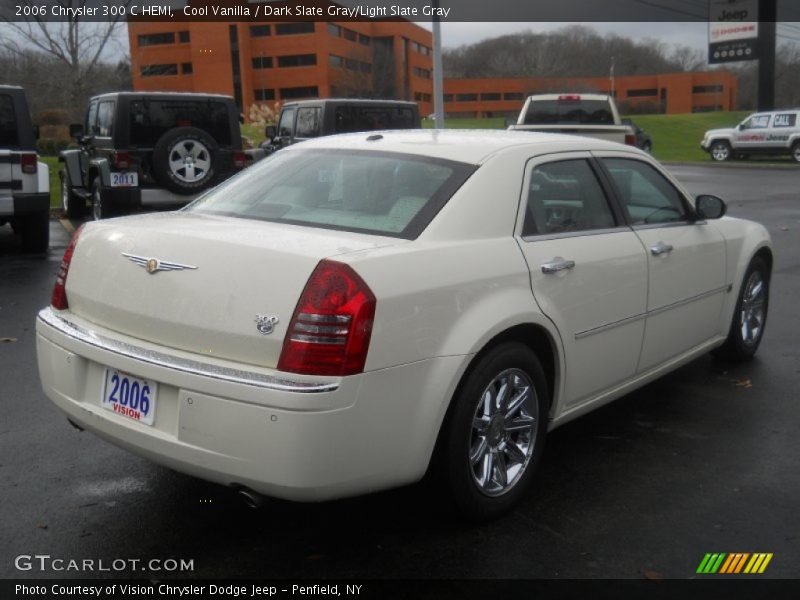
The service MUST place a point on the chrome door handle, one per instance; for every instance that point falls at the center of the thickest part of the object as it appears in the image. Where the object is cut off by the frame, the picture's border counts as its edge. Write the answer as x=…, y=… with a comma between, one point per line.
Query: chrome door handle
x=660, y=248
x=557, y=264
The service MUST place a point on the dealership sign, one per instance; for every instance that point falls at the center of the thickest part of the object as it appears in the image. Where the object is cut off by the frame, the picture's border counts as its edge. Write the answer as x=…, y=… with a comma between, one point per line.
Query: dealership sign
x=732, y=30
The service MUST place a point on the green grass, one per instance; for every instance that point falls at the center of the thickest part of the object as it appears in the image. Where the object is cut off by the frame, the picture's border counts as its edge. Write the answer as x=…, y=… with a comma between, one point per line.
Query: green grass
x=55, y=182
x=677, y=137
x=254, y=133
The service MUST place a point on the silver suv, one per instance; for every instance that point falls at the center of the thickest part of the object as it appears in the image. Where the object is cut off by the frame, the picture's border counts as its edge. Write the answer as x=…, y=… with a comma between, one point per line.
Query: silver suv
x=776, y=133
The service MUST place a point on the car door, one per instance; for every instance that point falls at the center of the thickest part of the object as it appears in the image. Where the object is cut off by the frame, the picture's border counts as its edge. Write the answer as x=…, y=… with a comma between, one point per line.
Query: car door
x=686, y=260
x=752, y=134
x=588, y=271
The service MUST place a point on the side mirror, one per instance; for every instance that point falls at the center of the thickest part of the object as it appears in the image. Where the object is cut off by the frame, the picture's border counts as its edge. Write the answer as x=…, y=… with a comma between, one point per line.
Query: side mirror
x=271, y=132
x=709, y=207
x=76, y=131
x=740, y=126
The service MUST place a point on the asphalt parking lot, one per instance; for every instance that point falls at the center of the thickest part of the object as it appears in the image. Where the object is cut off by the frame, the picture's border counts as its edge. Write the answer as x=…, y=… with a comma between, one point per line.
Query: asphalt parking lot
x=704, y=460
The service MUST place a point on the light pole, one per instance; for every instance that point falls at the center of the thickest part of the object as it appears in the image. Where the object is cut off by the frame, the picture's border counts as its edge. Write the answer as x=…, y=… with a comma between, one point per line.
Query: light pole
x=438, y=90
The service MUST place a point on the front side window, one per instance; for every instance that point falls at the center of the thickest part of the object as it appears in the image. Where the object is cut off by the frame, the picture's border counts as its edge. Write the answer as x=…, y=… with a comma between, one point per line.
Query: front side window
x=286, y=125
x=756, y=122
x=565, y=197
x=647, y=196
x=9, y=136
x=370, y=192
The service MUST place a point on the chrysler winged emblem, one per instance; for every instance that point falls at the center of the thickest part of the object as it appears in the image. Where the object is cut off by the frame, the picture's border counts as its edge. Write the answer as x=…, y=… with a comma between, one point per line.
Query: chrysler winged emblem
x=153, y=265
x=266, y=323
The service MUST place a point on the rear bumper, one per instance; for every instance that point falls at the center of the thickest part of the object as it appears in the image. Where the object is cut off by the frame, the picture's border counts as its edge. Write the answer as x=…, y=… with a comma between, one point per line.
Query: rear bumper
x=24, y=204
x=293, y=437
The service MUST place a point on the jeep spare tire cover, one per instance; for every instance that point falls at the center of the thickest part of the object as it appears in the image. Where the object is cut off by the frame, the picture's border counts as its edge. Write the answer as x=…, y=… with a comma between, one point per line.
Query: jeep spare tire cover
x=185, y=159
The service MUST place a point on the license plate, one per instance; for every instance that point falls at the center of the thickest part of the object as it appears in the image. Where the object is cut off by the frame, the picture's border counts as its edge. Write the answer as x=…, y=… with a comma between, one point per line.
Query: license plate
x=124, y=179
x=129, y=396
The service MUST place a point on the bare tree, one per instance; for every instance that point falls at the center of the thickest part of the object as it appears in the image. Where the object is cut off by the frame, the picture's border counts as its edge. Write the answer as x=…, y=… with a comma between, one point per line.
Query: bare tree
x=75, y=44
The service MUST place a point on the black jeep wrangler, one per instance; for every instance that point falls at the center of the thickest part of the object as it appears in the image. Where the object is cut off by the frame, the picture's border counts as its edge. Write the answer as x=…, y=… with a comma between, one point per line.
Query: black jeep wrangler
x=307, y=119
x=149, y=149
x=24, y=181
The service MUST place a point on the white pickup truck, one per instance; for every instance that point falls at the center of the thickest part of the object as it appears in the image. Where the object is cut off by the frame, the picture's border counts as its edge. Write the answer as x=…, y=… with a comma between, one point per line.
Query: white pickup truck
x=593, y=115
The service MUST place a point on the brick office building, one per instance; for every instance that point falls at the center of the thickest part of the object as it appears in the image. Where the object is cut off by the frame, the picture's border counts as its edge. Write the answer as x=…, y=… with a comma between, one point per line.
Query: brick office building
x=255, y=62
x=265, y=62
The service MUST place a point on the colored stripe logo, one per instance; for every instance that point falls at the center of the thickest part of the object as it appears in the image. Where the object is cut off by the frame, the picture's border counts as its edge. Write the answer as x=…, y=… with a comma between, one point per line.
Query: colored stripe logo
x=734, y=563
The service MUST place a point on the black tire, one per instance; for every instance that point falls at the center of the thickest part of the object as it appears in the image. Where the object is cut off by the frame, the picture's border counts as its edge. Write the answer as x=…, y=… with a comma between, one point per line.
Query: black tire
x=74, y=206
x=100, y=210
x=796, y=152
x=720, y=151
x=479, y=497
x=737, y=346
x=35, y=232
x=185, y=177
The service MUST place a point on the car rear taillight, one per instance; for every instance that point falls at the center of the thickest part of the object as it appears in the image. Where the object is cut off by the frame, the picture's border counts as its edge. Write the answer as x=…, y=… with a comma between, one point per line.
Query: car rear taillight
x=59, y=300
x=569, y=98
x=239, y=159
x=122, y=160
x=331, y=327
x=28, y=163
x=630, y=139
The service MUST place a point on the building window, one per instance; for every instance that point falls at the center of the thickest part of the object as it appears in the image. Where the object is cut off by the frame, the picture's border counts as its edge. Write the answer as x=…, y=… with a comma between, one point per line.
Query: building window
x=422, y=97
x=294, y=28
x=264, y=94
x=299, y=92
x=466, y=97
x=335, y=61
x=424, y=73
x=259, y=30
x=447, y=97
x=155, y=39
x=490, y=96
x=350, y=35
x=155, y=70
x=334, y=30
x=707, y=89
x=183, y=37
x=643, y=92
x=363, y=39
x=513, y=96
x=186, y=69
x=351, y=64
x=262, y=62
x=297, y=60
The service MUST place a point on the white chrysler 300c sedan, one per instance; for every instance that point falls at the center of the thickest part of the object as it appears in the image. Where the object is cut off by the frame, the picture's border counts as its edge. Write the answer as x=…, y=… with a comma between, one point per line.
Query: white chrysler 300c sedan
x=355, y=311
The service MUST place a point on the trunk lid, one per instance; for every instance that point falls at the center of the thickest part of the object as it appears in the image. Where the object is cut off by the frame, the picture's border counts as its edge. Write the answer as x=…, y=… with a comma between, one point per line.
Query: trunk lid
x=243, y=269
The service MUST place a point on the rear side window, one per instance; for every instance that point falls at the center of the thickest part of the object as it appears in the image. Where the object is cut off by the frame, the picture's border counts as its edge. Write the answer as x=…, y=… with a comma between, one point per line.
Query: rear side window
x=9, y=134
x=785, y=120
x=369, y=192
x=566, y=112
x=564, y=197
x=352, y=119
x=150, y=119
x=307, y=122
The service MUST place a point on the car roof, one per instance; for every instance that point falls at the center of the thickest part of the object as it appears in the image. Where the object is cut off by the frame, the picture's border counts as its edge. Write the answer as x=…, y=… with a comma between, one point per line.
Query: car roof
x=356, y=101
x=5, y=87
x=187, y=95
x=471, y=146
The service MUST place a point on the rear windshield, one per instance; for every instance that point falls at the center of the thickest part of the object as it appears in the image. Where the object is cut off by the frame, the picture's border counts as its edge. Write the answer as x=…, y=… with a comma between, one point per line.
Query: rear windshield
x=369, y=192
x=150, y=119
x=567, y=112
x=9, y=138
x=352, y=119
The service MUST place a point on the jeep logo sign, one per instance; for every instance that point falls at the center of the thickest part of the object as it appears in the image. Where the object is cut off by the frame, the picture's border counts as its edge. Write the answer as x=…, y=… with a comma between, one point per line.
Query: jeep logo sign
x=732, y=30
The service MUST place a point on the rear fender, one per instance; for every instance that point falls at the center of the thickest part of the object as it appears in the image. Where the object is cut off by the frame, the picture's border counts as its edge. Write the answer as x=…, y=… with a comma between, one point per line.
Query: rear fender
x=72, y=166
